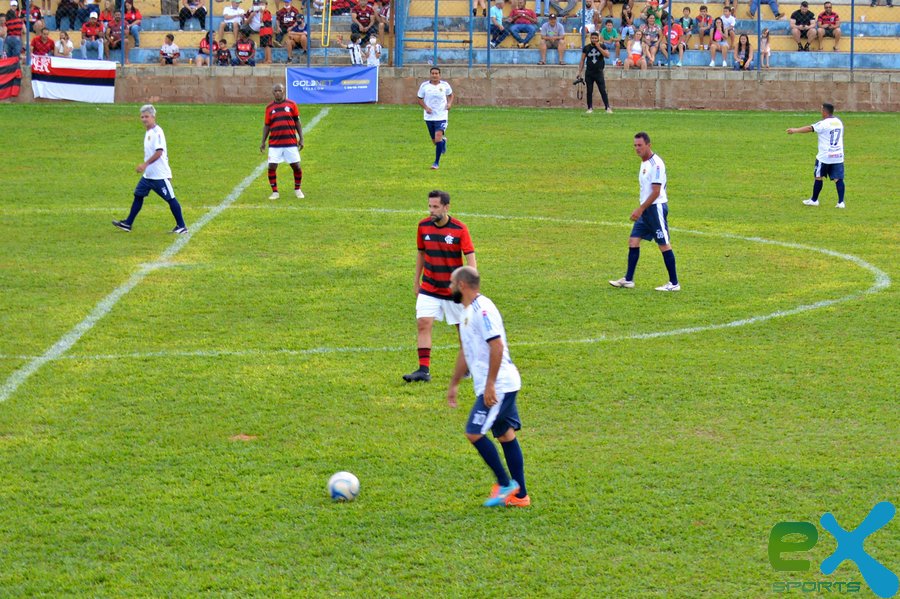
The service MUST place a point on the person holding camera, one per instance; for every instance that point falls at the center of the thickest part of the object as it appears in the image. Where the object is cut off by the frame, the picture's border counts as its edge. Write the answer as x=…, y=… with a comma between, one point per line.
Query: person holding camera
x=593, y=61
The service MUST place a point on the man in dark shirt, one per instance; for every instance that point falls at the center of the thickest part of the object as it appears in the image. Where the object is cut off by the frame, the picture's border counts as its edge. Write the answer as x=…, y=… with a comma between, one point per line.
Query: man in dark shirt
x=803, y=23
x=593, y=60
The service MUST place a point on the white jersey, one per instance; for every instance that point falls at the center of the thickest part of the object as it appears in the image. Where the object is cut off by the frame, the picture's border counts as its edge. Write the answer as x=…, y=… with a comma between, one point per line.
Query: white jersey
x=653, y=171
x=831, y=140
x=373, y=51
x=481, y=322
x=155, y=140
x=355, y=53
x=435, y=97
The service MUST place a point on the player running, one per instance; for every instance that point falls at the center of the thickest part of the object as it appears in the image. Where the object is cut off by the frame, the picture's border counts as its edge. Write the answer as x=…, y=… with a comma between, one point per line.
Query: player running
x=830, y=158
x=282, y=128
x=436, y=98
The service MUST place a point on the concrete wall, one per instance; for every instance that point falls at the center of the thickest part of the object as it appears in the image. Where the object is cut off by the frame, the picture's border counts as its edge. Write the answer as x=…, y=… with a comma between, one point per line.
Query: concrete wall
x=700, y=88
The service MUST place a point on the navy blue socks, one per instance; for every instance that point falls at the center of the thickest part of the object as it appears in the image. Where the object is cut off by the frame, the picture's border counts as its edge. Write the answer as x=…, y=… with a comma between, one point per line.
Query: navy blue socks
x=516, y=464
x=669, y=259
x=491, y=457
x=817, y=188
x=840, y=189
x=136, y=206
x=633, y=255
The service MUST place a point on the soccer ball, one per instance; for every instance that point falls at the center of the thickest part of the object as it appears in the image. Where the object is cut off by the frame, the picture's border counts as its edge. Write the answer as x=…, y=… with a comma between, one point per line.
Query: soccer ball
x=343, y=486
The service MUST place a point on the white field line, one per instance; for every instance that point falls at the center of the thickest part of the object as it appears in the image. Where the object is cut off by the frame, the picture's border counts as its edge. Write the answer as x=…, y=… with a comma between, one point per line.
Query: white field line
x=105, y=305
x=882, y=281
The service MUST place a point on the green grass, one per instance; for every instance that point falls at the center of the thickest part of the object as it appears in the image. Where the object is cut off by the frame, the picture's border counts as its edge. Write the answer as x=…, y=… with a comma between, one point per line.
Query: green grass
x=657, y=466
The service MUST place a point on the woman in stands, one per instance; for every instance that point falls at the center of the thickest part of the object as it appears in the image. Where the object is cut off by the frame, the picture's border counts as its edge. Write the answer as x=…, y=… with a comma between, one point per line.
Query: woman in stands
x=718, y=41
x=64, y=46
x=743, y=54
x=636, y=52
x=132, y=18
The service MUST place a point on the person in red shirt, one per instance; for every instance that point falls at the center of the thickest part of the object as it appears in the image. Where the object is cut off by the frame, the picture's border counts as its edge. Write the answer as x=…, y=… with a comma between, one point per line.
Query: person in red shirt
x=442, y=242
x=106, y=15
x=203, y=54
x=15, y=29
x=285, y=134
x=244, y=50
x=286, y=16
x=35, y=19
x=341, y=7
x=676, y=41
x=362, y=17
x=133, y=22
x=829, y=26
x=91, y=32
x=43, y=45
x=266, y=32
x=524, y=22
x=113, y=37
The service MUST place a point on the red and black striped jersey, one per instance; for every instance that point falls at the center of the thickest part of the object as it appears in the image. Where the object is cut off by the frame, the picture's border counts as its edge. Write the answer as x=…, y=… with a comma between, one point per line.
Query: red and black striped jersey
x=282, y=119
x=15, y=27
x=443, y=249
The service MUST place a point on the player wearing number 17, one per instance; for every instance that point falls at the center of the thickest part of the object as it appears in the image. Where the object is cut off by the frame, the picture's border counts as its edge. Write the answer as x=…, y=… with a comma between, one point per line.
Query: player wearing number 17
x=436, y=98
x=282, y=128
x=830, y=157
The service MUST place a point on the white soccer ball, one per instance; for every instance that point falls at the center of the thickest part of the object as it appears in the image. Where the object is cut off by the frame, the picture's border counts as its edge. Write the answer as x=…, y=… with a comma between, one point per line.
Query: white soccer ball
x=343, y=486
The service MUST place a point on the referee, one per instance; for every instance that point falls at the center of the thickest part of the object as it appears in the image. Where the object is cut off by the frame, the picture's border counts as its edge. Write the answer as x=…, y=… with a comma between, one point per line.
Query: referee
x=593, y=60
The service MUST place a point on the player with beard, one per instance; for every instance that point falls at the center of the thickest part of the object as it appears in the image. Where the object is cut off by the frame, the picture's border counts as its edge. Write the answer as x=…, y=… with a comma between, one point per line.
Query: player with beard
x=442, y=242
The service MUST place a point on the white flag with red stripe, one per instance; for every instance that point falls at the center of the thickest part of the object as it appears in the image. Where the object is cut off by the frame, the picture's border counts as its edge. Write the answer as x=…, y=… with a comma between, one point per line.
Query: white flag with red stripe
x=70, y=79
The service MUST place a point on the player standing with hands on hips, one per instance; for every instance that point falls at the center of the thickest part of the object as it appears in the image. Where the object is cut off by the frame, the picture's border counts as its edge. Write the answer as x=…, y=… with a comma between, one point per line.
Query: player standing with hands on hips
x=651, y=218
x=157, y=176
x=830, y=157
x=436, y=98
x=485, y=353
x=285, y=135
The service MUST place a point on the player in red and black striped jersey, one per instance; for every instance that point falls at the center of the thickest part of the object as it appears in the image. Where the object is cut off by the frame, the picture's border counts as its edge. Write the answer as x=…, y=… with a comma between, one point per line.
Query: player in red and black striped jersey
x=285, y=134
x=442, y=242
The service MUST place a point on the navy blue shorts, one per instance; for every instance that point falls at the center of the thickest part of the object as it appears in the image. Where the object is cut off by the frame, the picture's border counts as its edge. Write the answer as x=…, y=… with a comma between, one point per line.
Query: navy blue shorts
x=162, y=187
x=498, y=419
x=653, y=224
x=435, y=126
x=832, y=171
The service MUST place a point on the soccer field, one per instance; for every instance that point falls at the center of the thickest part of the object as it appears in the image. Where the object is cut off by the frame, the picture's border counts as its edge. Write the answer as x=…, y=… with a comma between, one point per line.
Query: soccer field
x=664, y=434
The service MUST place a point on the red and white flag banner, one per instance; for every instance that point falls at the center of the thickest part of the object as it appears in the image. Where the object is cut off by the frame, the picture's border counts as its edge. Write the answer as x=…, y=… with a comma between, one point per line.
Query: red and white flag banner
x=70, y=79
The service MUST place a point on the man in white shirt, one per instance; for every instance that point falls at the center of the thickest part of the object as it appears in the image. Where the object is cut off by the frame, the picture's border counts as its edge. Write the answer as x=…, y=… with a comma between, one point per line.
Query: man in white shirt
x=157, y=176
x=651, y=218
x=436, y=98
x=830, y=157
x=485, y=354
x=232, y=19
x=373, y=52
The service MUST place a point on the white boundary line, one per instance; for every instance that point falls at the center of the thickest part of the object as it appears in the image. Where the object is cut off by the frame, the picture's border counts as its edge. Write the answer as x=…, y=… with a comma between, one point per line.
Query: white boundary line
x=65, y=343
x=882, y=281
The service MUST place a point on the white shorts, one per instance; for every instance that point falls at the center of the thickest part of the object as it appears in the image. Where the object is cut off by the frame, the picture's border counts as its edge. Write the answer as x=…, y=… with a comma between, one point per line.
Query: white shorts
x=288, y=154
x=440, y=309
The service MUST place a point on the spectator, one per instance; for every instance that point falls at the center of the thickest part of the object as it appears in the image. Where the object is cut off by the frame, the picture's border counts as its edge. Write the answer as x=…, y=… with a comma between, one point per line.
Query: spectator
x=588, y=18
x=286, y=16
x=802, y=24
x=133, y=22
x=731, y=5
x=743, y=54
x=265, y=30
x=542, y=8
x=91, y=32
x=829, y=25
x=652, y=9
x=607, y=5
x=773, y=4
x=651, y=39
x=85, y=9
x=373, y=52
x=67, y=9
x=627, y=24
x=341, y=7
x=113, y=37
x=553, y=35
x=203, y=52
x=718, y=41
x=15, y=28
x=223, y=54
x=383, y=16
x=64, y=47
x=232, y=18
x=362, y=20
x=35, y=19
x=704, y=28
x=106, y=15
x=353, y=48
x=318, y=6
x=611, y=39
x=192, y=9
x=244, y=50
x=482, y=4
x=498, y=31
x=765, y=50
x=169, y=52
x=297, y=37
x=729, y=22
x=523, y=22
x=674, y=39
x=874, y=3
x=688, y=26
x=42, y=45
x=593, y=61
x=635, y=56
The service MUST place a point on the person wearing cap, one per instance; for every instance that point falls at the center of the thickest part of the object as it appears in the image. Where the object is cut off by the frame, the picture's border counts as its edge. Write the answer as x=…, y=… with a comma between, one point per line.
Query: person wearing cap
x=232, y=18
x=15, y=29
x=553, y=35
x=286, y=16
x=803, y=26
x=192, y=9
x=91, y=33
x=297, y=38
x=85, y=9
x=67, y=9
